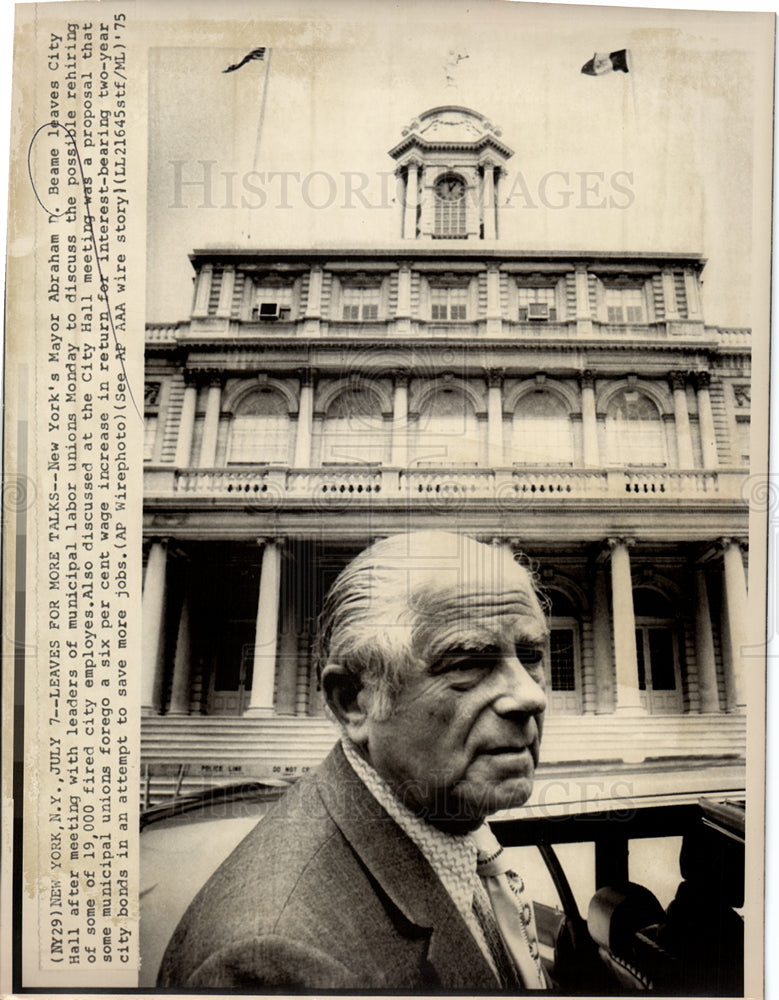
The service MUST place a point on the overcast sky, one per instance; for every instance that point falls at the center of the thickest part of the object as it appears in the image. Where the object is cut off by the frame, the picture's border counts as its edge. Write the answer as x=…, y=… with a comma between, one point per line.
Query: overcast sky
x=660, y=159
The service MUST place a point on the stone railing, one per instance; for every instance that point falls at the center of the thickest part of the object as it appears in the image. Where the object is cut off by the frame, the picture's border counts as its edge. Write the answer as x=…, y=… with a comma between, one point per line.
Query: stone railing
x=221, y=328
x=740, y=337
x=275, y=485
x=163, y=333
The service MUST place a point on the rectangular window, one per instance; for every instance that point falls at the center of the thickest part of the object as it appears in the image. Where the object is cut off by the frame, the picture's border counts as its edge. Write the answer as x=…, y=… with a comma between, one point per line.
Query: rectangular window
x=449, y=304
x=625, y=305
x=361, y=304
x=149, y=436
x=151, y=408
x=537, y=304
x=562, y=659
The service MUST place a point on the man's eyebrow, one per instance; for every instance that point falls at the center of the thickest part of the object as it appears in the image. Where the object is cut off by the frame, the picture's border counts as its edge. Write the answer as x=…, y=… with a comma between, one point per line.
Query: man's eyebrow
x=466, y=649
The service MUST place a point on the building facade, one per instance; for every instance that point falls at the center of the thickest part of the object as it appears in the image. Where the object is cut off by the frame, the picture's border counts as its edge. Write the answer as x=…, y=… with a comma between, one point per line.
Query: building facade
x=576, y=405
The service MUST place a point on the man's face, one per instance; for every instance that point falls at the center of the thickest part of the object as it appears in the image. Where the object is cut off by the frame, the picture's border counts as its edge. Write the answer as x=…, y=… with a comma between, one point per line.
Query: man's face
x=463, y=738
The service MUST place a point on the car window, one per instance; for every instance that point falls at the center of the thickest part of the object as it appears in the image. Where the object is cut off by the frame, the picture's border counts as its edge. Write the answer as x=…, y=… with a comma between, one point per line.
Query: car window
x=528, y=862
x=578, y=863
x=654, y=863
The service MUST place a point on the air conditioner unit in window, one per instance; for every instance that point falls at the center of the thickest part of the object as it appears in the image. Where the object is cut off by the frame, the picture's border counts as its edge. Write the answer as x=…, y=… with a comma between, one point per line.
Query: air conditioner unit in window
x=269, y=310
x=538, y=310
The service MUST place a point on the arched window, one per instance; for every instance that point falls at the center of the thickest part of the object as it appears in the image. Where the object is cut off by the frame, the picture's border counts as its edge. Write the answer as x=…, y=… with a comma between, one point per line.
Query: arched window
x=354, y=431
x=657, y=652
x=260, y=430
x=447, y=431
x=449, y=221
x=635, y=433
x=541, y=430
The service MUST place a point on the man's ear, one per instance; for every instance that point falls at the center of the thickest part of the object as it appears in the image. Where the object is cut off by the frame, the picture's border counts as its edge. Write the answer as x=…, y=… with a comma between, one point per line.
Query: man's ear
x=347, y=700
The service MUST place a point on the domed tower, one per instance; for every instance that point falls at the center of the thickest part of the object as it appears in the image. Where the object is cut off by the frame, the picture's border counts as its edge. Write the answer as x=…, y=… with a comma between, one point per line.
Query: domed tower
x=450, y=160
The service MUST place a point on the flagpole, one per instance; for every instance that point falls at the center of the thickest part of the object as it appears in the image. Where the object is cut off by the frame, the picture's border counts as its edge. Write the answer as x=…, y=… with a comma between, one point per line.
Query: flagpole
x=262, y=110
x=260, y=121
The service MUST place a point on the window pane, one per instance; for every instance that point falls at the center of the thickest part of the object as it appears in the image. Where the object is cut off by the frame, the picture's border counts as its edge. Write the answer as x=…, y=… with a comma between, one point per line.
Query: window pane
x=449, y=217
x=260, y=430
x=353, y=431
x=562, y=659
x=635, y=434
x=149, y=437
x=447, y=431
x=542, y=430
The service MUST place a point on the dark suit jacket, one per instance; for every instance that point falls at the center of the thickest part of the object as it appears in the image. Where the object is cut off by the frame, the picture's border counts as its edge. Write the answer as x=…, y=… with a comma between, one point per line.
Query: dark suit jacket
x=326, y=893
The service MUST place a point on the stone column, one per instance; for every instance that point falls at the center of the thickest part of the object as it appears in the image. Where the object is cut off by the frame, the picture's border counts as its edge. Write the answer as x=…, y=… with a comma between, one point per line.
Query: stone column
x=403, y=309
x=186, y=427
x=153, y=622
x=286, y=693
x=735, y=632
x=305, y=429
x=669, y=295
x=225, y=306
x=180, y=689
x=400, y=421
x=704, y=646
x=495, y=457
x=628, y=696
x=210, y=426
x=678, y=382
x=583, y=313
x=404, y=292
x=494, y=322
x=601, y=643
x=202, y=291
x=490, y=231
x=706, y=420
x=412, y=200
x=314, y=301
x=693, y=295
x=589, y=421
x=267, y=631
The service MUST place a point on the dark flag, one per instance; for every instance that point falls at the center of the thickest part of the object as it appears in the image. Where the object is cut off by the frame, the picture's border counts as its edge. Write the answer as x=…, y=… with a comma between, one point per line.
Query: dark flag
x=258, y=54
x=608, y=62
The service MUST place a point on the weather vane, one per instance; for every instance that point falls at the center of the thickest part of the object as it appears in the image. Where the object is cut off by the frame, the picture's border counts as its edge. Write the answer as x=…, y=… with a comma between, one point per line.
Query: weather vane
x=453, y=59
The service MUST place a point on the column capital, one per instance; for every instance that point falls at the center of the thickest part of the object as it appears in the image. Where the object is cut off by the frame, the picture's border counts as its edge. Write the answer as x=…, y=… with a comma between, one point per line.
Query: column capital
x=264, y=540
x=614, y=543
x=307, y=375
x=493, y=267
x=702, y=379
x=401, y=379
x=677, y=379
x=727, y=541
x=587, y=378
x=495, y=377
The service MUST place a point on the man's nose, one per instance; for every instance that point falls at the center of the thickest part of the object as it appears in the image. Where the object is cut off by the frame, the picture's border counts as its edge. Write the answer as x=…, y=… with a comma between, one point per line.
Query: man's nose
x=519, y=691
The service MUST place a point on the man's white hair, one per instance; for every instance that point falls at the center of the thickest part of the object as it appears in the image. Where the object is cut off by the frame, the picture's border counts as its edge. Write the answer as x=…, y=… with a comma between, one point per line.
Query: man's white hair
x=378, y=602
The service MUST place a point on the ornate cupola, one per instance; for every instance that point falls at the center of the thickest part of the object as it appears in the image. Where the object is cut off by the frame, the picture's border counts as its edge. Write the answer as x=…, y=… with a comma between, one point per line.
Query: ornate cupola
x=450, y=161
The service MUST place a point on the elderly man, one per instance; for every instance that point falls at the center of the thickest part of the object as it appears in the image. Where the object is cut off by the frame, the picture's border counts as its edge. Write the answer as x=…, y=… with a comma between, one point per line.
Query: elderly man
x=378, y=872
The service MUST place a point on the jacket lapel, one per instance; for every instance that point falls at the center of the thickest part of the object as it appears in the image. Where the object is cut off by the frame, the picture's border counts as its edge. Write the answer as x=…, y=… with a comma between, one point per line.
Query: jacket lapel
x=404, y=875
